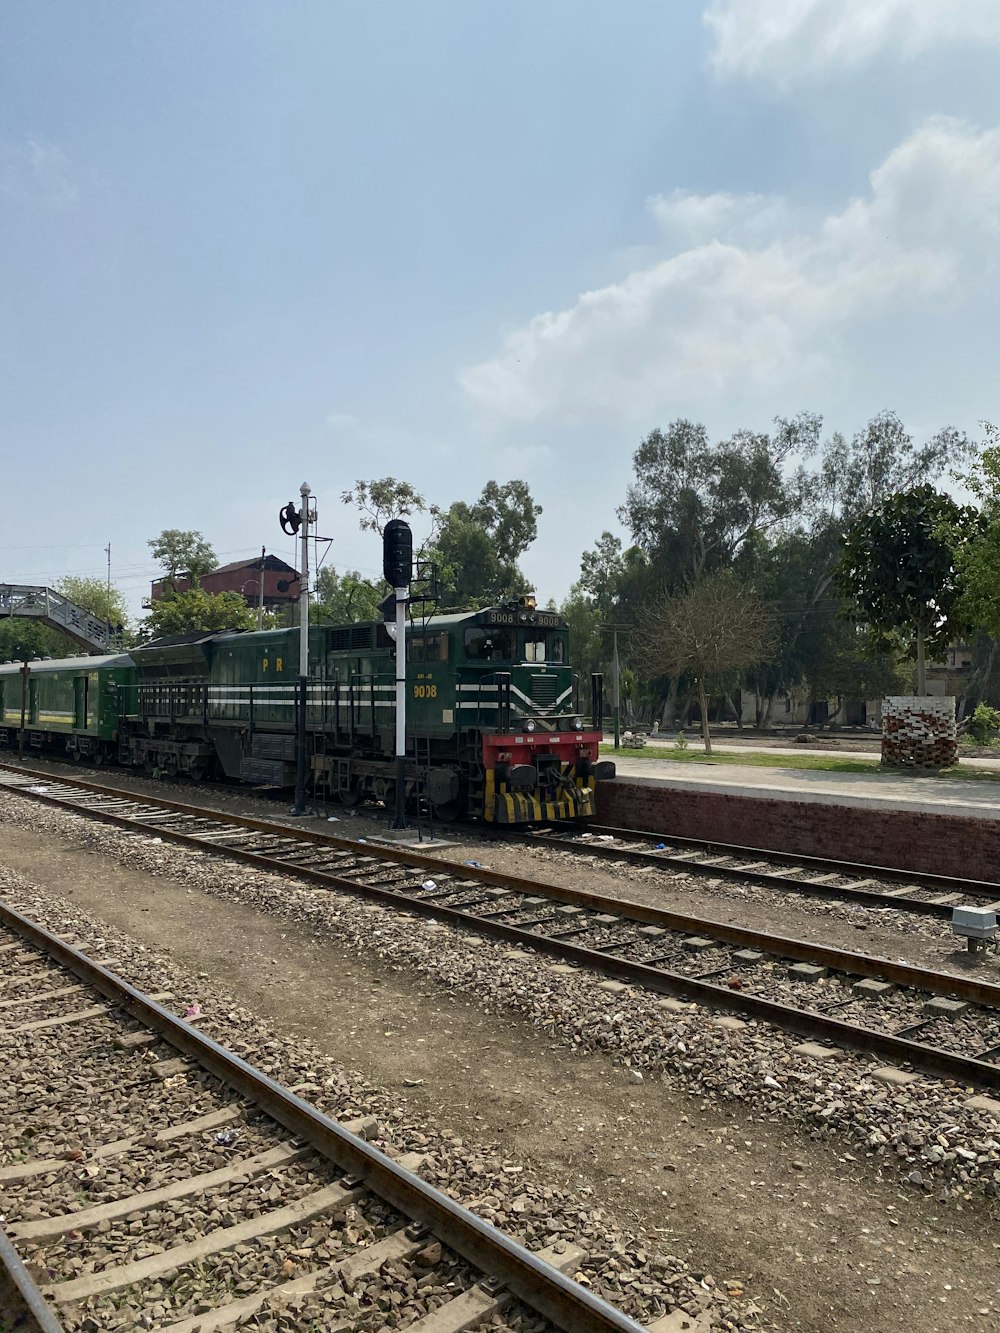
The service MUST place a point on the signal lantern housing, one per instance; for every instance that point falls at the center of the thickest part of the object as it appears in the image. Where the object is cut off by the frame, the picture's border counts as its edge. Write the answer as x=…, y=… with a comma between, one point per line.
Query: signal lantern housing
x=397, y=553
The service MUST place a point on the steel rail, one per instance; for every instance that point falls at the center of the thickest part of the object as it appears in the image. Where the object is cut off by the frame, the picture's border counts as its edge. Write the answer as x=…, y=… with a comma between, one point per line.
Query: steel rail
x=22, y=1304
x=786, y=946
x=558, y=1298
x=980, y=889
x=805, y=1022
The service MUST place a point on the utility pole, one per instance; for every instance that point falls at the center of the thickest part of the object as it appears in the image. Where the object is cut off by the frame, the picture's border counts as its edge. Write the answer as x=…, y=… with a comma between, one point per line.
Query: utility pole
x=108, y=552
x=615, y=675
x=292, y=520
x=260, y=590
x=397, y=566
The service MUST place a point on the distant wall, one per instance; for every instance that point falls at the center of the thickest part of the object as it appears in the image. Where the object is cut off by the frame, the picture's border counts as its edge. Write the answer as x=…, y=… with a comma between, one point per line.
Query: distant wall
x=909, y=839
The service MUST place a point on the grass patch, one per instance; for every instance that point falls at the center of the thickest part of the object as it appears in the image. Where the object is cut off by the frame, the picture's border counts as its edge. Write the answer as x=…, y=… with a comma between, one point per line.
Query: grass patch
x=827, y=763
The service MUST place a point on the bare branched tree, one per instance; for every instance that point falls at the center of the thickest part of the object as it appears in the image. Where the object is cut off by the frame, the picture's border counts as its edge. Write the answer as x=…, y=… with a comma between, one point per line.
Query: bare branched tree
x=717, y=626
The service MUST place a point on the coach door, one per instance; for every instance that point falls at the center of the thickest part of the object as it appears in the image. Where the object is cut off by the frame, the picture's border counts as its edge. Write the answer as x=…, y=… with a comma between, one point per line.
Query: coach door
x=80, y=692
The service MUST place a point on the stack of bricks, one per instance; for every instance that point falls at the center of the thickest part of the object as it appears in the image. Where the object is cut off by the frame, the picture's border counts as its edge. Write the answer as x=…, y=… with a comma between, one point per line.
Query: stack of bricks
x=919, y=732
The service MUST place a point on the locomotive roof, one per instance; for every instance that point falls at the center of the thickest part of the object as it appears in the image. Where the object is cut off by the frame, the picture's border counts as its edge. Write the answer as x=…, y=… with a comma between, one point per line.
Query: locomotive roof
x=540, y=617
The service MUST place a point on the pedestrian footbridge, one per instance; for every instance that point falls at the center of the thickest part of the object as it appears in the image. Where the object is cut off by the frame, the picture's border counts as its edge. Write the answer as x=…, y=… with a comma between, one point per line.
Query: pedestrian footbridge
x=58, y=612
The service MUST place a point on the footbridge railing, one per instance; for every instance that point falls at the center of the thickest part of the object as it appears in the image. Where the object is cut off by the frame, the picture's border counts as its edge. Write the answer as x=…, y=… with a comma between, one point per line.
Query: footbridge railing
x=58, y=612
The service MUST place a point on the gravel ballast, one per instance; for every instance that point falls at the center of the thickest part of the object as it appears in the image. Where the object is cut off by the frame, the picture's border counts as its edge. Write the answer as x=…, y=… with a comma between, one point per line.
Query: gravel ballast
x=631, y=1270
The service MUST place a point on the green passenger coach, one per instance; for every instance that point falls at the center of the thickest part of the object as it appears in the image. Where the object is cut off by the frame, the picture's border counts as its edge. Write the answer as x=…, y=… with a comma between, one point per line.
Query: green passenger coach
x=73, y=704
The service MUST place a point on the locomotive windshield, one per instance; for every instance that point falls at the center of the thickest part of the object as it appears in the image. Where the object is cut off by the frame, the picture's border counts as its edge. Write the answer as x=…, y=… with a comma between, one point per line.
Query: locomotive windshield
x=493, y=644
x=544, y=648
x=496, y=644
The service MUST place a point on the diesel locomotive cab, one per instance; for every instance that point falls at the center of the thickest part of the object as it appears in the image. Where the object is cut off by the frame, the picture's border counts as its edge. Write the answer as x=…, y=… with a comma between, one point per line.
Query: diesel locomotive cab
x=517, y=692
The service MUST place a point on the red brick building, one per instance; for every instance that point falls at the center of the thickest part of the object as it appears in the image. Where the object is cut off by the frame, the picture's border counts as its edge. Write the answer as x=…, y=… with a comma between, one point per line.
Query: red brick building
x=281, y=582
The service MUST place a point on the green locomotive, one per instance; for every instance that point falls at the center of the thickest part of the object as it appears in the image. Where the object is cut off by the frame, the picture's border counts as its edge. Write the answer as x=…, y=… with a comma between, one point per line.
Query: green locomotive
x=493, y=723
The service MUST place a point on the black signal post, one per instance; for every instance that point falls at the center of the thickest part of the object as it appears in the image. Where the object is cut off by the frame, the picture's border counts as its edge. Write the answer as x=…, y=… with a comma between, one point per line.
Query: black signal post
x=292, y=521
x=397, y=566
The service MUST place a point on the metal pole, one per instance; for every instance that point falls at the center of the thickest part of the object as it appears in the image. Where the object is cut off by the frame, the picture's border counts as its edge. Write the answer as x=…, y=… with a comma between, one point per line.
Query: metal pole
x=108, y=549
x=260, y=591
x=401, y=597
x=617, y=676
x=303, y=699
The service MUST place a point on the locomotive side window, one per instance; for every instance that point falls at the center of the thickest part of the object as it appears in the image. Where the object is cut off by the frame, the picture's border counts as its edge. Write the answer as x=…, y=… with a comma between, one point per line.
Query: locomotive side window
x=427, y=647
x=490, y=645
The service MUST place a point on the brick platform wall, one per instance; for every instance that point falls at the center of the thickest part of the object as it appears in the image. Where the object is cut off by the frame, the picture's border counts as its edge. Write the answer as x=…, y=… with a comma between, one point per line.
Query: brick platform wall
x=935, y=844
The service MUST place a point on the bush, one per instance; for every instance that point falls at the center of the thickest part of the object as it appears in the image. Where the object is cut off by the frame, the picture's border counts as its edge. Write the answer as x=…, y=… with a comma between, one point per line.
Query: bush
x=984, y=725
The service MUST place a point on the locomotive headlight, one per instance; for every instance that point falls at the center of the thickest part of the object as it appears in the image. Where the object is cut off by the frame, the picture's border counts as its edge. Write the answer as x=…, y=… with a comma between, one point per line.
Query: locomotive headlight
x=530, y=724
x=578, y=724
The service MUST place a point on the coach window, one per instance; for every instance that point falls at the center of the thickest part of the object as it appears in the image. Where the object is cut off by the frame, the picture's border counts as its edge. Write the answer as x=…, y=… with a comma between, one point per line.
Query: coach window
x=489, y=645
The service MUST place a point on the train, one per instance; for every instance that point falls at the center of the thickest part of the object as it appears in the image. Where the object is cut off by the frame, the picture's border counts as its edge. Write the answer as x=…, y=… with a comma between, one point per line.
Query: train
x=493, y=721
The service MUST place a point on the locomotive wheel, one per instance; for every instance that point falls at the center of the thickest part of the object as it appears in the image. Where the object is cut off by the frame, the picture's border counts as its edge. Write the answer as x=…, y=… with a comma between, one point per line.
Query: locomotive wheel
x=448, y=812
x=350, y=796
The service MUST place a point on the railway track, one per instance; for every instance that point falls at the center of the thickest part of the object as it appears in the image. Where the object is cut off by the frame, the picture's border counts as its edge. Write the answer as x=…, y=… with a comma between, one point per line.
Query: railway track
x=866, y=885
x=939, y=1023
x=201, y=1192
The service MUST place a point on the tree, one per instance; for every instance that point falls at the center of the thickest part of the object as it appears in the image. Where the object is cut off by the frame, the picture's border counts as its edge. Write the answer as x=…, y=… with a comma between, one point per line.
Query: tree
x=693, y=505
x=476, y=547
x=713, y=628
x=880, y=461
x=95, y=597
x=195, y=609
x=182, y=553
x=899, y=565
x=602, y=571
x=344, y=598
x=379, y=501
x=510, y=516
x=24, y=640
x=978, y=560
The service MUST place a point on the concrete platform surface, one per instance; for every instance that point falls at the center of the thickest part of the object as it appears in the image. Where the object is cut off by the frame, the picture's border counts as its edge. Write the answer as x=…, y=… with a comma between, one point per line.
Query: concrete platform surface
x=875, y=790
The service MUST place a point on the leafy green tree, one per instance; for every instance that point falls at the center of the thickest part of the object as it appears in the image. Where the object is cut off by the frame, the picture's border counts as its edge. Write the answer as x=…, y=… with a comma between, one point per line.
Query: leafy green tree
x=602, y=572
x=880, y=461
x=510, y=516
x=476, y=547
x=196, y=609
x=379, y=501
x=183, y=554
x=24, y=640
x=979, y=559
x=694, y=505
x=899, y=565
x=344, y=598
x=93, y=595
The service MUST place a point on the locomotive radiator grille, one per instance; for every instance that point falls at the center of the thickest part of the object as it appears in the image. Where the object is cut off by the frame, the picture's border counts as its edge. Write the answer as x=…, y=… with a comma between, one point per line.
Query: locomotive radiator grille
x=543, y=690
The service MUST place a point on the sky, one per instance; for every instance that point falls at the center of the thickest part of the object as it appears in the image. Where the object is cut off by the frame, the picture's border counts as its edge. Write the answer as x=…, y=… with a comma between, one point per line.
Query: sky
x=249, y=243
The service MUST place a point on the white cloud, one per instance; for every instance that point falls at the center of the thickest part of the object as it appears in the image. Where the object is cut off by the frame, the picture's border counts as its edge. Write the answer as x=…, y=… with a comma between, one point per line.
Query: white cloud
x=789, y=41
x=341, y=420
x=37, y=172
x=744, y=317
x=713, y=217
